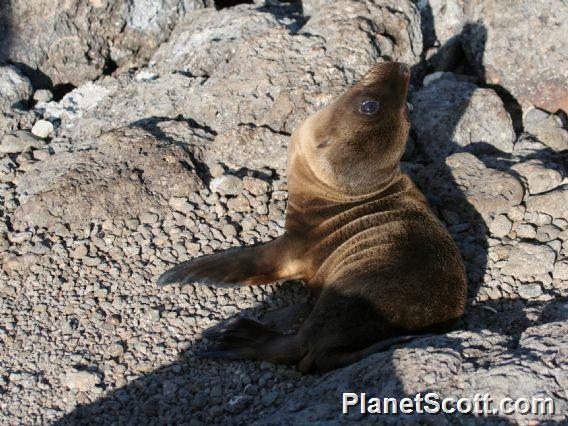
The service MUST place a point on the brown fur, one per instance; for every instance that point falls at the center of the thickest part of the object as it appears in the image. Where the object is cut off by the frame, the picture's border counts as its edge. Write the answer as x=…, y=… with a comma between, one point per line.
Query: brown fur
x=358, y=232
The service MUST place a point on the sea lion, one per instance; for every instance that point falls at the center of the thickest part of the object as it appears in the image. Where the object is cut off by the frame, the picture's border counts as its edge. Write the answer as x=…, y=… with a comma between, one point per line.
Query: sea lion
x=358, y=232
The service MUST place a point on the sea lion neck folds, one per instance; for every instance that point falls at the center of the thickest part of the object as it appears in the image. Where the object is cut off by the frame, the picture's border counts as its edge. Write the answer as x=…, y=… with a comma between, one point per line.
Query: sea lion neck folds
x=358, y=232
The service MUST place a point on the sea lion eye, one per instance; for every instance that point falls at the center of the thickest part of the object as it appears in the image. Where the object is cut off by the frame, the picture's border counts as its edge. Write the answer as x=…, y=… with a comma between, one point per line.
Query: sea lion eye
x=369, y=107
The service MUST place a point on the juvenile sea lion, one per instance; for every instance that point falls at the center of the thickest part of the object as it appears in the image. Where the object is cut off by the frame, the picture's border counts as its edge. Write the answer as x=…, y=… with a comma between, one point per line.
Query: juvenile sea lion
x=358, y=232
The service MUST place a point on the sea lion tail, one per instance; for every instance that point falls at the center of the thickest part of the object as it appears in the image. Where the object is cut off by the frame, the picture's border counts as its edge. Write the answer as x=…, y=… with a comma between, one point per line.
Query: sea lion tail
x=237, y=266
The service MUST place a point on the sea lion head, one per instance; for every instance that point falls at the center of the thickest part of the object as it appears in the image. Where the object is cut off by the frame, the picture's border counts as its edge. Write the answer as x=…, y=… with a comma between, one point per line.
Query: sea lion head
x=354, y=145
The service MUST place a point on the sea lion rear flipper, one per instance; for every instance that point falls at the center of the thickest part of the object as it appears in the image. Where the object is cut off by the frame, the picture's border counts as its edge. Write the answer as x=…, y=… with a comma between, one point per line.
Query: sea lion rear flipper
x=248, y=265
x=244, y=338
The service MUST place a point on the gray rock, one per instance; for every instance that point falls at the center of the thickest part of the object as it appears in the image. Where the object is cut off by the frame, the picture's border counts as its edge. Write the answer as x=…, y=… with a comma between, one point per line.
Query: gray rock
x=519, y=46
x=74, y=41
x=529, y=260
x=548, y=128
x=489, y=191
x=450, y=114
x=227, y=185
x=128, y=174
x=539, y=178
x=42, y=129
x=198, y=46
x=530, y=291
x=561, y=270
x=15, y=88
x=500, y=226
x=18, y=142
x=81, y=380
x=553, y=203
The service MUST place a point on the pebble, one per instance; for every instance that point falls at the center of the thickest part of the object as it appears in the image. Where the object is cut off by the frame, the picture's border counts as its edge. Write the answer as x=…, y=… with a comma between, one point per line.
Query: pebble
x=81, y=380
x=227, y=185
x=149, y=218
x=530, y=291
x=42, y=129
x=500, y=226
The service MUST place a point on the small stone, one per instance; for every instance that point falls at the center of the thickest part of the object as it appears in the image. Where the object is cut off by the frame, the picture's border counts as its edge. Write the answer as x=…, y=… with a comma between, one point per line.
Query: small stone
x=62, y=230
x=42, y=129
x=148, y=218
x=91, y=261
x=525, y=231
x=529, y=260
x=538, y=176
x=180, y=204
x=238, y=204
x=255, y=186
x=269, y=398
x=530, y=291
x=553, y=203
x=227, y=185
x=43, y=95
x=216, y=170
x=229, y=231
x=80, y=251
x=500, y=226
x=115, y=350
x=561, y=270
x=81, y=380
x=547, y=233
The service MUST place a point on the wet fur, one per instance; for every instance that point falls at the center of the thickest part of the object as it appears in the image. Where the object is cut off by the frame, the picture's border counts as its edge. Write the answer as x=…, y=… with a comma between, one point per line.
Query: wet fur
x=358, y=232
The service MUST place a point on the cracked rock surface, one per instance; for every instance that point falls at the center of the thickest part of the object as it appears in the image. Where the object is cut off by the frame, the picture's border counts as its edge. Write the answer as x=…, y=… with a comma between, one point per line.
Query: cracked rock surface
x=181, y=151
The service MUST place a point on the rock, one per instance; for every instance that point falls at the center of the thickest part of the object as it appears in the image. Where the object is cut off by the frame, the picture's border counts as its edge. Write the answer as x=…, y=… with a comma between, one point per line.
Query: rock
x=199, y=45
x=42, y=129
x=15, y=88
x=129, y=173
x=227, y=185
x=561, y=270
x=525, y=231
x=303, y=71
x=547, y=233
x=43, y=95
x=80, y=251
x=530, y=291
x=442, y=24
x=491, y=192
x=548, y=128
x=252, y=147
x=18, y=142
x=79, y=41
x=450, y=114
x=519, y=46
x=75, y=103
x=539, y=178
x=255, y=186
x=81, y=380
x=180, y=204
x=553, y=203
x=149, y=218
x=500, y=226
x=529, y=260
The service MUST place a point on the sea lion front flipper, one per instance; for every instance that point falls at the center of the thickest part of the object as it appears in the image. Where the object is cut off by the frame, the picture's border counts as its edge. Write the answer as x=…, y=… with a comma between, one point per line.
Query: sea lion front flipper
x=242, y=265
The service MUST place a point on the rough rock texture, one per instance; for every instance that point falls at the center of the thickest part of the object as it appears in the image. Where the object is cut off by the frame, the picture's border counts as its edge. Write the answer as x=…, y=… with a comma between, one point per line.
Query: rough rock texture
x=16, y=91
x=186, y=156
x=128, y=173
x=449, y=114
x=520, y=47
x=73, y=41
